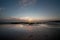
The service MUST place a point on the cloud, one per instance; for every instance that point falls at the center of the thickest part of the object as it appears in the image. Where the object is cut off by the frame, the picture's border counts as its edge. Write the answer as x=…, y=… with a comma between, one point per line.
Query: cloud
x=25, y=3
x=2, y=10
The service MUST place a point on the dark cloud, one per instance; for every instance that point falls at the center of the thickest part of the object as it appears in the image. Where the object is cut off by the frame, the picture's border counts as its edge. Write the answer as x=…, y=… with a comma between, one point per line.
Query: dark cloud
x=25, y=3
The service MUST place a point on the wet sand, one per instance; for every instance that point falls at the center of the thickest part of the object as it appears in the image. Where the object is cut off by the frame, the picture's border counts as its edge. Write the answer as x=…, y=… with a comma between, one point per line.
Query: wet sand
x=29, y=32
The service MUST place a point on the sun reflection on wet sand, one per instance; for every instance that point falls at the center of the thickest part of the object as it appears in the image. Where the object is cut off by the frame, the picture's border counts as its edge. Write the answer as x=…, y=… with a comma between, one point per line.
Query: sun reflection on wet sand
x=26, y=27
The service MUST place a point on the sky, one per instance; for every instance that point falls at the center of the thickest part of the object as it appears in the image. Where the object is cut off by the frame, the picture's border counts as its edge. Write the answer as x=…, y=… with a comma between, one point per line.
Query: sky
x=43, y=9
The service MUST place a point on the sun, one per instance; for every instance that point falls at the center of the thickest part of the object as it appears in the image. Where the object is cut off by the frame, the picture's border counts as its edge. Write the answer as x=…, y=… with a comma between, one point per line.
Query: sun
x=29, y=19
